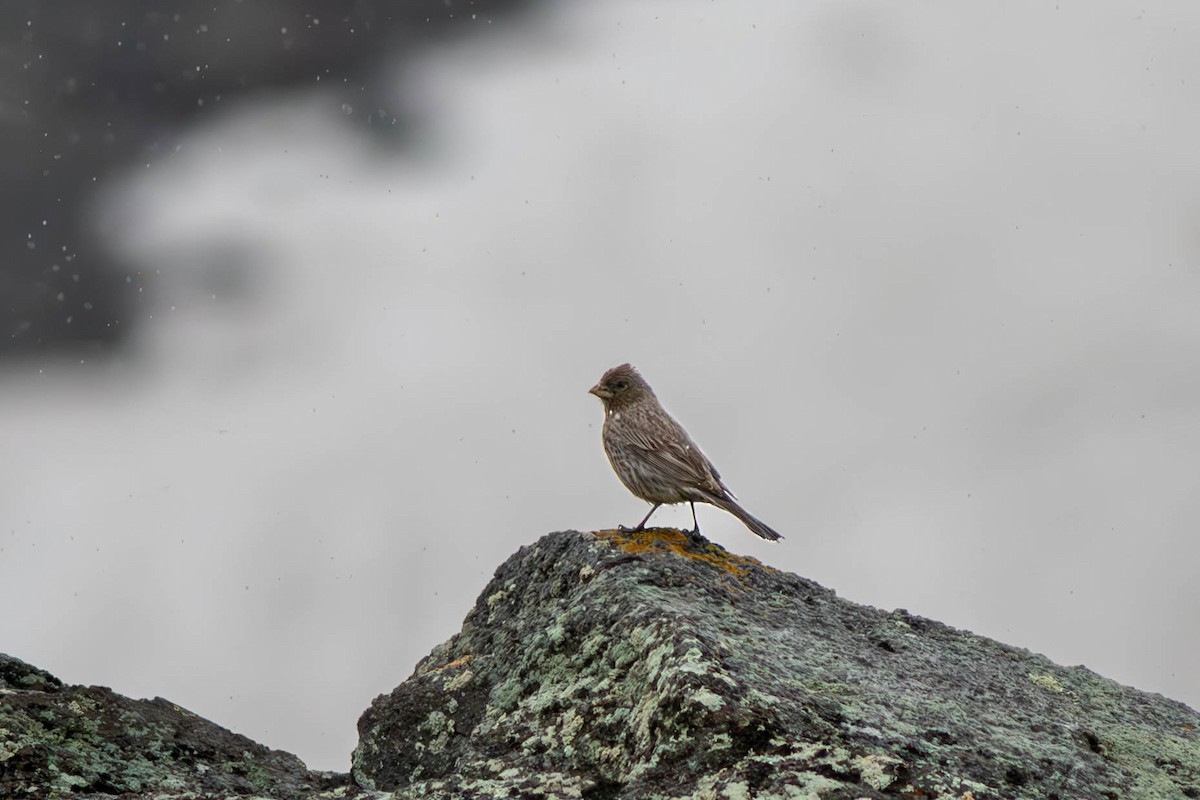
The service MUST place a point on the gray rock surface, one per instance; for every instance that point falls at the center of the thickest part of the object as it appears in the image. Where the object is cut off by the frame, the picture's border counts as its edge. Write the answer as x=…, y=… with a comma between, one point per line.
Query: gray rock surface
x=617, y=665
x=88, y=742
x=621, y=665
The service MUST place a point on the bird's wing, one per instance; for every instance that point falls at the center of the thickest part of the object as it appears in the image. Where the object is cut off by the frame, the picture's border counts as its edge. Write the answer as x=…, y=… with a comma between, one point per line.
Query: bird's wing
x=665, y=444
x=720, y=482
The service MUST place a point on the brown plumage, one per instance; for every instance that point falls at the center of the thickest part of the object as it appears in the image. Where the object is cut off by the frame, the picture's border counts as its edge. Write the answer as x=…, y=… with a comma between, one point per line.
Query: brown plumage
x=653, y=455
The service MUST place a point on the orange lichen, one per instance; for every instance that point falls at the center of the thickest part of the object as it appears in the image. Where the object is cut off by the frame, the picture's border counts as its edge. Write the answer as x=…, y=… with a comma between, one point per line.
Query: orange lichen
x=658, y=540
x=458, y=662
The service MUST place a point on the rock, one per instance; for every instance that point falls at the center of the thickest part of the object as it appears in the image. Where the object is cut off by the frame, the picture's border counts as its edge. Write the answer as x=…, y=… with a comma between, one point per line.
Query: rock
x=86, y=741
x=648, y=665
x=621, y=665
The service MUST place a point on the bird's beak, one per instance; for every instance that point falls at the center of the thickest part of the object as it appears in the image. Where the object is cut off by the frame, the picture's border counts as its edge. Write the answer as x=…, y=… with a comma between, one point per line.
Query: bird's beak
x=600, y=392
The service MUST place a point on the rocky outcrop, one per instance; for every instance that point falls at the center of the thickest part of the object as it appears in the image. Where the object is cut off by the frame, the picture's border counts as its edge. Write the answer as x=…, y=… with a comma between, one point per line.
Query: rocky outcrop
x=86, y=741
x=619, y=665
x=650, y=666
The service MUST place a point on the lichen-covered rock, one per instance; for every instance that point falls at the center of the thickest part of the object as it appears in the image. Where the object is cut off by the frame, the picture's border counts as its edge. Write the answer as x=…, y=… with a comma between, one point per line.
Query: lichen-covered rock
x=88, y=742
x=620, y=665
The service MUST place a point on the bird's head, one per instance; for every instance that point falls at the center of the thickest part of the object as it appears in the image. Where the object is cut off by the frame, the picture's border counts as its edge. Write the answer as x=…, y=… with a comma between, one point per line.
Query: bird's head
x=620, y=386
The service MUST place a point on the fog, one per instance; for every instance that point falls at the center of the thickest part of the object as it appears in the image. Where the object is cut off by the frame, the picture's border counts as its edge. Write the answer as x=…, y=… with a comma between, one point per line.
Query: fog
x=921, y=280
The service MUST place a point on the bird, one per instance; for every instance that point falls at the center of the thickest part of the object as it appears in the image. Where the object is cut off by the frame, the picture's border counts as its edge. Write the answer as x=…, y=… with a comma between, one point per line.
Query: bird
x=654, y=456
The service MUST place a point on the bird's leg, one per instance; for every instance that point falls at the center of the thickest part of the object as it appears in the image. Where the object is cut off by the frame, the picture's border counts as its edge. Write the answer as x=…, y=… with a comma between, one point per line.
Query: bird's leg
x=694, y=533
x=642, y=525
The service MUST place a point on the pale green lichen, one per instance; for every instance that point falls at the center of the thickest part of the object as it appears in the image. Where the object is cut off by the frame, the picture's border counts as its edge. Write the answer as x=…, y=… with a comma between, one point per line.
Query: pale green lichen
x=440, y=728
x=877, y=771
x=1176, y=759
x=1046, y=681
x=709, y=699
x=571, y=722
x=737, y=790
x=459, y=681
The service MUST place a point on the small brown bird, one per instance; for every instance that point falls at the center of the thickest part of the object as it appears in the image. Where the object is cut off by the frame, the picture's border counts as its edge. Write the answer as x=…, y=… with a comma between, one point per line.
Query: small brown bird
x=653, y=455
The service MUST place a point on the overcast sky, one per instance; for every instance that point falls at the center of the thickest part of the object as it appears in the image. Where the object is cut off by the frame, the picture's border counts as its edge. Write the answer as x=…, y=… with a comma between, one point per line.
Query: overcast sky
x=922, y=280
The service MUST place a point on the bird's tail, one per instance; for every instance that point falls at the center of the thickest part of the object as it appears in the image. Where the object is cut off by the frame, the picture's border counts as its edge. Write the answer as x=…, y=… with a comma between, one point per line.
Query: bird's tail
x=756, y=525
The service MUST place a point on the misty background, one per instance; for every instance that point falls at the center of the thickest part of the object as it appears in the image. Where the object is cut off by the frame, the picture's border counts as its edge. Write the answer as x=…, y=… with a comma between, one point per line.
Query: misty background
x=922, y=280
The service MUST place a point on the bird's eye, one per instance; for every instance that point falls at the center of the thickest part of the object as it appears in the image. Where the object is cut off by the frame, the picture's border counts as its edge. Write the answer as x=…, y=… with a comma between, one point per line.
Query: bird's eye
x=622, y=385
